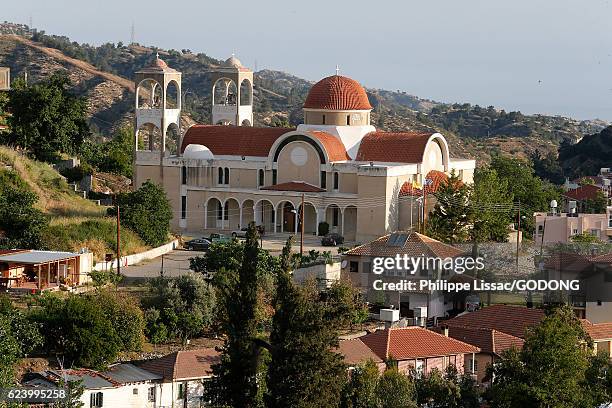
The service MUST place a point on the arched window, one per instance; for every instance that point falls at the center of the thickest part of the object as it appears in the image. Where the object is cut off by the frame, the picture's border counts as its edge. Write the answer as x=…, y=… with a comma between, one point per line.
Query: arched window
x=323, y=119
x=336, y=180
x=227, y=178
x=323, y=180
x=261, y=178
x=226, y=213
x=220, y=179
x=184, y=175
x=274, y=176
x=348, y=119
x=219, y=211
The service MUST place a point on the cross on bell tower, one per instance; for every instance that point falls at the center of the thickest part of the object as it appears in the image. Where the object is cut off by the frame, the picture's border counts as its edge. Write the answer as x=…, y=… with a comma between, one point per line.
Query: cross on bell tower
x=232, y=94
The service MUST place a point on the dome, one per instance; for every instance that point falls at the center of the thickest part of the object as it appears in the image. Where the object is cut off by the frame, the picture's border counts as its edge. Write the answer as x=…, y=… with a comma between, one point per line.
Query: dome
x=159, y=63
x=337, y=93
x=232, y=62
x=199, y=152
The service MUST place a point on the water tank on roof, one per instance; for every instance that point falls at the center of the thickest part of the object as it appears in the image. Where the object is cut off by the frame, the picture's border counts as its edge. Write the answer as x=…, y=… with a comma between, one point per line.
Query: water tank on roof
x=389, y=315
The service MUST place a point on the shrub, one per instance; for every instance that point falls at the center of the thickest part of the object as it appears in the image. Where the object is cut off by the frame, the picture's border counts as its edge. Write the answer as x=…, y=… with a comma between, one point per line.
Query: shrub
x=323, y=228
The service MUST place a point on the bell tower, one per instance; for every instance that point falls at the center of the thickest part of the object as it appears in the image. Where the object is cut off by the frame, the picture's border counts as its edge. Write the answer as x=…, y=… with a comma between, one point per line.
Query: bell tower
x=158, y=111
x=232, y=94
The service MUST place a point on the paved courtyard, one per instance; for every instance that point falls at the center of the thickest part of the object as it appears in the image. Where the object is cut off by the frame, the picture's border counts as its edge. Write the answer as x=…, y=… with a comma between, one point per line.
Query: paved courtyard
x=176, y=262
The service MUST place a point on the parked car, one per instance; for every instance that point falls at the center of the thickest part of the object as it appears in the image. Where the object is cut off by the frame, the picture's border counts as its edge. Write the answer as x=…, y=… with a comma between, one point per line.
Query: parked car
x=214, y=238
x=241, y=233
x=332, y=239
x=198, y=244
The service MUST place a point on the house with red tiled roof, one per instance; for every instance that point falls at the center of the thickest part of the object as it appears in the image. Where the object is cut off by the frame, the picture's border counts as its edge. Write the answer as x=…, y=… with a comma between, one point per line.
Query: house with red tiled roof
x=355, y=352
x=416, y=348
x=360, y=181
x=359, y=265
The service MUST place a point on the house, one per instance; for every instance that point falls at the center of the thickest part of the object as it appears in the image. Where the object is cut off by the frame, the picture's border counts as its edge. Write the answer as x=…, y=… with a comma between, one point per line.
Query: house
x=124, y=385
x=358, y=264
x=355, y=352
x=497, y=328
x=27, y=270
x=419, y=349
x=561, y=227
x=184, y=374
x=593, y=301
x=222, y=176
x=5, y=78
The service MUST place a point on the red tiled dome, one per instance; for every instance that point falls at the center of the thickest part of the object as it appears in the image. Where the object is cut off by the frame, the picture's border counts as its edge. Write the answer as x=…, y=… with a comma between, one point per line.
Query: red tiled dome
x=337, y=93
x=159, y=63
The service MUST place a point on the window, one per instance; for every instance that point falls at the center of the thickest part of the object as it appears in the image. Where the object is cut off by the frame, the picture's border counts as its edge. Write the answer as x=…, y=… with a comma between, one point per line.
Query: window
x=151, y=394
x=366, y=267
x=336, y=180
x=183, y=207
x=96, y=400
x=353, y=266
x=348, y=119
x=540, y=228
x=184, y=175
x=226, y=214
x=181, y=391
x=135, y=391
x=610, y=221
x=323, y=180
x=261, y=179
x=575, y=231
x=227, y=178
x=274, y=177
x=335, y=216
x=475, y=366
x=220, y=178
x=323, y=119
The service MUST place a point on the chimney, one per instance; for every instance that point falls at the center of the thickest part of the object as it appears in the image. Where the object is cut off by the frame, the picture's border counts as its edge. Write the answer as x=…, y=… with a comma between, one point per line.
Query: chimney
x=445, y=331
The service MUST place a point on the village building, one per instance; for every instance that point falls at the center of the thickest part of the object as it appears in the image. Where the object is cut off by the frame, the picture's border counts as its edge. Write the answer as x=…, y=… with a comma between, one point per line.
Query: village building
x=28, y=270
x=551, y=228
x=350, y=175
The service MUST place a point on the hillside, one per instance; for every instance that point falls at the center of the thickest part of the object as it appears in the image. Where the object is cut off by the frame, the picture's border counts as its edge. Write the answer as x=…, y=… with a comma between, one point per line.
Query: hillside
x=75, y=222
x=102, y=74
x=587, y=156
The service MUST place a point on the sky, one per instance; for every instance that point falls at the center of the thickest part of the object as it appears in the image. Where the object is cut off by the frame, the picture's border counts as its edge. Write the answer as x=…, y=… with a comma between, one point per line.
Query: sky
x=536, y=56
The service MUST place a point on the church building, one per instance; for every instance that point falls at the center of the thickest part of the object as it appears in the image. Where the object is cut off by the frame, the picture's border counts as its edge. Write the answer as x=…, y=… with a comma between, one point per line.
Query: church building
x=361, y=181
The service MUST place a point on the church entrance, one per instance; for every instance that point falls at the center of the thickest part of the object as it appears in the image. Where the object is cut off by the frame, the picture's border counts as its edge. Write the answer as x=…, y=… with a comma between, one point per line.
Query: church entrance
x=288, y=217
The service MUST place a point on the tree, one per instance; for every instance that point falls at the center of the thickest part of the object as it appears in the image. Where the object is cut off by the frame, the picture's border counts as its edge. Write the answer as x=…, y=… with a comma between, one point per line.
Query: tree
x=114, y=156
x=125, y=315
x=395, y=390
x=18, y=337
x=552, y=368
x=596, y=205
x=585, y=238
x=77, y=330
x=449, y=219
x=21, y=223
x=147, y=212
x=492, y=207
x=46, y=118
x=304, y=371
x=447, y=390
x=179, y=307
x=361, y=388
x=235, y=381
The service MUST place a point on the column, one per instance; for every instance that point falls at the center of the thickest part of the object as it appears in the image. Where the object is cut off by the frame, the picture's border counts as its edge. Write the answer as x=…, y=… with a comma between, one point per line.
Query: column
x=342, y=220
x=222, y=215
x=275, y=209
x=320, y=217
x=240, y=210
x=296, y=218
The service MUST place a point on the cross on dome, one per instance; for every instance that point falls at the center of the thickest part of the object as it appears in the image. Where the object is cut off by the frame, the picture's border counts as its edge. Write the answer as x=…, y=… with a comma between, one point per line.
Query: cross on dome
x=337, y=70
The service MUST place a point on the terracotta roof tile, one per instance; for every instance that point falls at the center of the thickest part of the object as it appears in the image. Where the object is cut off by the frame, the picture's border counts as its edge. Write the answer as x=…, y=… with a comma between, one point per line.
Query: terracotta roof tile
x=294, y=186
x=333, y=146
x=337, y=93
x=436, y=177
x=598, y=331
x=356, y=352
x=184, y=364
x=488, y=340
x=586, y=192
x=414, y=342
x=415, y=245
x=513, y=320
x=401, y=147
x=233, y=140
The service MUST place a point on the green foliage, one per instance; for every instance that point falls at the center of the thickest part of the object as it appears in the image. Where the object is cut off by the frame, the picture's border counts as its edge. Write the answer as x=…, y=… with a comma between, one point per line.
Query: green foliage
x=596, y=205
x=304, y=371
x=587, y=156
x=447, y=390
x=451, y=215
x=76, y=174
x=18, y=337
x=585, y=238
x=360, y=391
x=147, y=212
x=125, y=315
x=114, y=156
x=46, y=119
x=395, y=390
x=77, y=330
x=553, y=369
x=235, y=382
x=490, y=194
x=181, y=307
x=547, y=167
x=103, y=278
x=21, y=223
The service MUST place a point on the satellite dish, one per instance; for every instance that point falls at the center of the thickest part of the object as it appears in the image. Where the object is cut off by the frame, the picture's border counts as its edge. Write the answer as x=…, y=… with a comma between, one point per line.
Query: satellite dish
x=343, y=264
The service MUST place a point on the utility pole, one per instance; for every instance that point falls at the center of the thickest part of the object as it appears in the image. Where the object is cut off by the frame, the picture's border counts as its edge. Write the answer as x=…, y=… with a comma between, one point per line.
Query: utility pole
x=302, y=227
x=518, y=235
x=118, y=238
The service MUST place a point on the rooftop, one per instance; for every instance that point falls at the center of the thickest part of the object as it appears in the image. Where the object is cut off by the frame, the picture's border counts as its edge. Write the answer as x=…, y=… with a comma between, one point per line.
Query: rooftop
x=183, y=364
x=409, y=243
x=32, y=257
x=337, y=92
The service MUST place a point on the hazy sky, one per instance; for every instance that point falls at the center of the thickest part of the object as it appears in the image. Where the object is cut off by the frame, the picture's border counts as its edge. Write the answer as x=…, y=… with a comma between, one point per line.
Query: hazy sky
x=489, y=52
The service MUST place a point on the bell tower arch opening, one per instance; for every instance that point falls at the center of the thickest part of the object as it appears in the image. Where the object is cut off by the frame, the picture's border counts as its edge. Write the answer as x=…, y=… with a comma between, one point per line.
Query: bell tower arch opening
x=232, y=94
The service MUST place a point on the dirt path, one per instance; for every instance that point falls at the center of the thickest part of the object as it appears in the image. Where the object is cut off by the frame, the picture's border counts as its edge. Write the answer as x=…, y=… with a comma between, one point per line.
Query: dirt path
x=58, y=55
